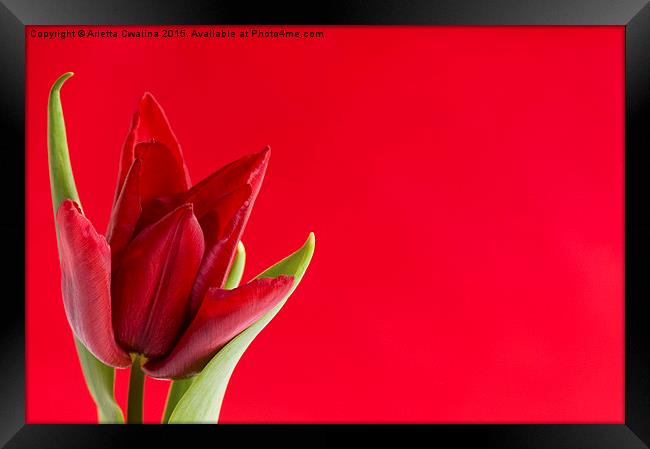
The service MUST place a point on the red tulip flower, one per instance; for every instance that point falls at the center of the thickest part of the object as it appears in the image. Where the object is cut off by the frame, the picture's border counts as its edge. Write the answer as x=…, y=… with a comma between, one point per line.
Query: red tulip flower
x=160, y=291
x=154, y=287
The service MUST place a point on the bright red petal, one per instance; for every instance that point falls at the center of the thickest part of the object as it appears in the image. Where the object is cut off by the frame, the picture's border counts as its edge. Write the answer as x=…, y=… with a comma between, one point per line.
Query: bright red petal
x=223, y=315
x=86, y=284
x=153, y=177
x=162, y=171
x=125, y=214
x=151, y=287
x=150, y=124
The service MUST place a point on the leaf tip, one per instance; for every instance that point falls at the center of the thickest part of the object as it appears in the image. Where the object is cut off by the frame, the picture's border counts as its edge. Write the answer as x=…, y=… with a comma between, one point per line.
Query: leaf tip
x=59, y=82
x=306, y=251
x=310, y=244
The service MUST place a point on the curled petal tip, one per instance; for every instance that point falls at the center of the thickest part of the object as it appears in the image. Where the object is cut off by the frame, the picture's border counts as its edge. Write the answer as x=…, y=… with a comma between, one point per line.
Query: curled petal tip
x=259, y=159
x=265, y=153
x=148, y=96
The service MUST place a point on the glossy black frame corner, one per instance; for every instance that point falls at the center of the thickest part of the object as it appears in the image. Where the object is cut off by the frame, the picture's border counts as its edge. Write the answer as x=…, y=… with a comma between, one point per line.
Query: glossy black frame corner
x=633, y=14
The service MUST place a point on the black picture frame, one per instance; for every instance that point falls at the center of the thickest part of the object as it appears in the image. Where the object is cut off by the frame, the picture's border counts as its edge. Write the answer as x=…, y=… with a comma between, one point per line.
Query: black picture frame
x=634, y=15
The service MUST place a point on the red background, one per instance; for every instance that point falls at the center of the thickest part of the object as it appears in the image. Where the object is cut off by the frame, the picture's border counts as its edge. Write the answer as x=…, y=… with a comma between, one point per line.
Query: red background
x=466, y=190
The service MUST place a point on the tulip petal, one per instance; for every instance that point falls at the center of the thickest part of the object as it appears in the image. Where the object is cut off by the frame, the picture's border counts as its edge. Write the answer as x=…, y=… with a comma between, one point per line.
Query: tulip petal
x=222, y=227
x=157, y=208
x=249, y=169
x=125, y=214
x=154, y=175
x=223, y=203
x=150, y=124
x=86, y=284
x=99, y=377
x=162, y=172
x=178, y=387
x=206, y=195
x=151, y=287
x=202, y=401
x=223, y=314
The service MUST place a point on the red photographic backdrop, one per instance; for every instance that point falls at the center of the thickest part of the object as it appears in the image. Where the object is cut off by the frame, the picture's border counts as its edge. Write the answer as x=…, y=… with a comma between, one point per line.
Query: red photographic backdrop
x=465, y=185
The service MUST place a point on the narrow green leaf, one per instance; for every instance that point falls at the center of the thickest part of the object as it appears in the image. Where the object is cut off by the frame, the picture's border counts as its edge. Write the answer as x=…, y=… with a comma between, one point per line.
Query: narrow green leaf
x=237, y=269
x=176, y=391
x=202, y=401
x=178, y=387
x=61, y=178
x=100, y=378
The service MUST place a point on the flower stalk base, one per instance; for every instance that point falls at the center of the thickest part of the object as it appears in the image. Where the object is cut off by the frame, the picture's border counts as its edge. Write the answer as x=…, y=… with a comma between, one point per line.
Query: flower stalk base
x=135, y=399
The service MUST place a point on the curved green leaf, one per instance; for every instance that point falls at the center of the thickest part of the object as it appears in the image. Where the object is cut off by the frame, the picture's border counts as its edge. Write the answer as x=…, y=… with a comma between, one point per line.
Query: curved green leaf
x=202, y=401
x=176, y=392
x=61, y=177
x=178, y=387
x=100, y=378
x=237, y=269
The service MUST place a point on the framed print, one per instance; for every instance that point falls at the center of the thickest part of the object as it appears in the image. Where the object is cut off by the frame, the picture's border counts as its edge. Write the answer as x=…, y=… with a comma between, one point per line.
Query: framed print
x=385, y=222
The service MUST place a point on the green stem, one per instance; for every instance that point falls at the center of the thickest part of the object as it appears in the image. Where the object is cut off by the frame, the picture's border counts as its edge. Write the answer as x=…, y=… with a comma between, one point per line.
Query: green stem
x=136, y=393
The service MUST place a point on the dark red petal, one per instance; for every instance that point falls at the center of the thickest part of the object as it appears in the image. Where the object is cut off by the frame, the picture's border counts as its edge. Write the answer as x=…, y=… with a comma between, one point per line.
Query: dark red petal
x=222, y=228
x=86, y=284
x=125, y=214
x=150, y=124
x=249, y=169
x=152, y=284
x=223, y=203
x=206, y=195
x=157, y=208
x=223, y=315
